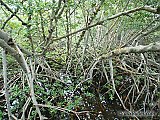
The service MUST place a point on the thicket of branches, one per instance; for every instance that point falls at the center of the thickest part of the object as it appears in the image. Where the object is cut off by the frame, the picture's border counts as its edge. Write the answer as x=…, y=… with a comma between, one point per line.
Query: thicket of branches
x=78, y=59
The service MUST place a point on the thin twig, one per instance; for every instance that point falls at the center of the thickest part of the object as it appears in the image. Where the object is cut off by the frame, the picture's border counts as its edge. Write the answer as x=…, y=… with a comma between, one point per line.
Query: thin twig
x=113, y=84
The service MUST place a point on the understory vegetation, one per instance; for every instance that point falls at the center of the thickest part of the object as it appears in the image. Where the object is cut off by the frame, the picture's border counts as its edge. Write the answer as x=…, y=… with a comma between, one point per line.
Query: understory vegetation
x=79, y=59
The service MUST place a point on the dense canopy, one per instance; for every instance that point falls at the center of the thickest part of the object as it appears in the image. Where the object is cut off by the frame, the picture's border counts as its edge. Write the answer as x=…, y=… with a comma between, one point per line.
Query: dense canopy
x=79, y=59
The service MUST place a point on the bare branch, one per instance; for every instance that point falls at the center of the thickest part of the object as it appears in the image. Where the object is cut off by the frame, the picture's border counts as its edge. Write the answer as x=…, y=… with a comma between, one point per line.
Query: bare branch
x=4, y=36
x=11, y=16
x=13, y=53
x=146, y=8
x=113, y=83
x=18, y=55
x=6, y=6
x=153, y=47
x=5, y=84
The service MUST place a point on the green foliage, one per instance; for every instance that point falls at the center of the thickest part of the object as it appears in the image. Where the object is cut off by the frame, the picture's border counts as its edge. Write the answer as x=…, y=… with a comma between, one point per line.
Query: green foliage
x=51, y=85
x=1, y=115
x=33, y=114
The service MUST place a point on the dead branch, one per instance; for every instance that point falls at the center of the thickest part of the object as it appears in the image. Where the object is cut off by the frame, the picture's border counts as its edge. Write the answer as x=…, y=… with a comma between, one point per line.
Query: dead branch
x=153, y=47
